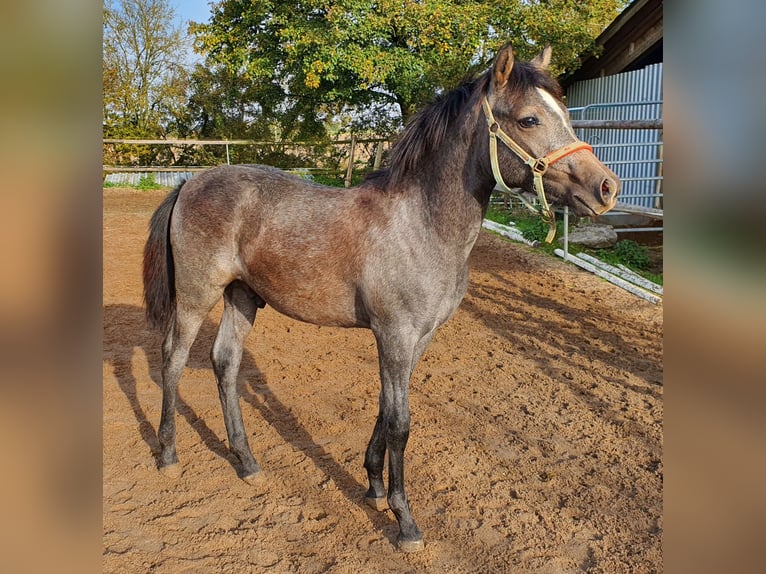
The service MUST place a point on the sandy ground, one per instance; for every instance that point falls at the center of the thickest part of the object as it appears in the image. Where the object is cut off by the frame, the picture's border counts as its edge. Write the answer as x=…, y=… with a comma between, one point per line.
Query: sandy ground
x=536, y=441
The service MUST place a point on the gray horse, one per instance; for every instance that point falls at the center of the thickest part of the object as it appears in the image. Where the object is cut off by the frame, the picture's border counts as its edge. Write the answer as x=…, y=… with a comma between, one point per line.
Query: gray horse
x=389, y=255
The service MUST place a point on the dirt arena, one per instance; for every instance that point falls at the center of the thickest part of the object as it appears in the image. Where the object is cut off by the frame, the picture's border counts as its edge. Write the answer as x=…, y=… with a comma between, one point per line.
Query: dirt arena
x=536, y=442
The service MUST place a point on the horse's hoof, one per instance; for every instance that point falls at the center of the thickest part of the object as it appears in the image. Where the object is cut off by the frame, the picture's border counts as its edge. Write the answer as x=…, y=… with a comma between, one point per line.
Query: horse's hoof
x=379, y=504
x=171, y=470
x=255, y=478
x=411, y=545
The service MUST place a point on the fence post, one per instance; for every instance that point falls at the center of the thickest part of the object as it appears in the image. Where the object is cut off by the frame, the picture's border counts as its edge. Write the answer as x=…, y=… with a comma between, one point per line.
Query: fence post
x=227, y=154
x=378, y=156
x=658, y=203
x=350, y=168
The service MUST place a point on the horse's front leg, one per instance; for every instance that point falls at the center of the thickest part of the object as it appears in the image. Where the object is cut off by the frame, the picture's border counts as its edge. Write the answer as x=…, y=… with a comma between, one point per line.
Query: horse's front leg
x=410, y=537
x=374, y=459
x=398, y=354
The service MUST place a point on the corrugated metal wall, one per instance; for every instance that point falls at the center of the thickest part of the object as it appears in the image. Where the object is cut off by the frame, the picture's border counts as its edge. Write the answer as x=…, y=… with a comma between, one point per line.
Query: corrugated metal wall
x=634, y=155
x=163, y=178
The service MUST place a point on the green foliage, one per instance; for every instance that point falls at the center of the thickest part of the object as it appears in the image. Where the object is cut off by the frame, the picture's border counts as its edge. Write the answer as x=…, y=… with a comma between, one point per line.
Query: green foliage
x=225, y=104
x=653, y=277
x=624, y=252
x=313, y=61
x=533, y=228
x=628, y=253
x=147, y=182
x=498, y=214
x=326, y=179
x=338, y=180
x=309, y=70
x=144, y=183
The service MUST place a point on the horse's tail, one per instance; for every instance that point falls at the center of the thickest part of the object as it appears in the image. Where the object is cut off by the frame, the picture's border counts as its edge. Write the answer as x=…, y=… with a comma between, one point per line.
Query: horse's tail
x=159, y=274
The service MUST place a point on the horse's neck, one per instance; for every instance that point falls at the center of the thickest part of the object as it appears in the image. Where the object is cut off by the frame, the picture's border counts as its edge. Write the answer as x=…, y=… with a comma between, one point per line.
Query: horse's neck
x=457, y=189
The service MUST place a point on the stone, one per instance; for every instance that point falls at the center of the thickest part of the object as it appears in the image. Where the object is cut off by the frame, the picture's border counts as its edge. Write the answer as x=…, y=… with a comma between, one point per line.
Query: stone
x=592, y=235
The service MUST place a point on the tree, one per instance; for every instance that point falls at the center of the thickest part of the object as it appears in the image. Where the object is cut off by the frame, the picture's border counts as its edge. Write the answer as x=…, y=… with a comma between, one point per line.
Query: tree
x=321, y=58
x=144, y=79
x=225, y=104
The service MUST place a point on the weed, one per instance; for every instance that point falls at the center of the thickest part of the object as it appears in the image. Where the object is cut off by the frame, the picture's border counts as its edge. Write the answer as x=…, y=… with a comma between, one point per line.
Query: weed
x=535, y=228
x=498, y=214
x=627, y=252
x=147, y=182
x=532, y=227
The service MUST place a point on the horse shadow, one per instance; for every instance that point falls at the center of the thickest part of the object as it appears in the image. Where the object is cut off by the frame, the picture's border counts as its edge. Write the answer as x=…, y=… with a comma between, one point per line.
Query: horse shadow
x=125, y=331
x=622, y=355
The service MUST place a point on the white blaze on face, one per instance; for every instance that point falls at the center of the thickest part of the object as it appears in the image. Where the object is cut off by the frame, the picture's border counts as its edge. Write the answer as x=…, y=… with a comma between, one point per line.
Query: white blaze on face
x=556, y=108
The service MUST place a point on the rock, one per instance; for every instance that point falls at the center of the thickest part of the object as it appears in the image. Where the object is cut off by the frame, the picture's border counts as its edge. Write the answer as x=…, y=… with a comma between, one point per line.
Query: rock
x=592, y=235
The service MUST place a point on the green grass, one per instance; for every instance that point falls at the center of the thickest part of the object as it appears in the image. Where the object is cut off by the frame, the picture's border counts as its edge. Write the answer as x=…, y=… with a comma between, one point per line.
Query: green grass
x=630, y=254
x=532, y=227
x=326, y=179
x=145, y=183
x=627, y=252
x=498, y=214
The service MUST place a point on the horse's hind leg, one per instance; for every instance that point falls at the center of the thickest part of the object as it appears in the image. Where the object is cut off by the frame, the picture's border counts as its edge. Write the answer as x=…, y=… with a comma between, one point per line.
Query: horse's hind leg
x=240, y=306
x=175, y=352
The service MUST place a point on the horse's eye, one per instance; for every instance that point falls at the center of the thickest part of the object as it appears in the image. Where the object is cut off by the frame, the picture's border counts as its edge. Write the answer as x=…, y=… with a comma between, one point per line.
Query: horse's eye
x=529, y=122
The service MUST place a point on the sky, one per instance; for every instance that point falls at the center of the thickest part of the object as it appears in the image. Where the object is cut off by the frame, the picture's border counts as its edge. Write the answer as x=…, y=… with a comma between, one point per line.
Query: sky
x=196, y=11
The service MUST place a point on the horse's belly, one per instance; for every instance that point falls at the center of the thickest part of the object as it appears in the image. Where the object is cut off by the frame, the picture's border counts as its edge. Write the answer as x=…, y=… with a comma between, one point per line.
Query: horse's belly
x=333, y=312
x=309, y=295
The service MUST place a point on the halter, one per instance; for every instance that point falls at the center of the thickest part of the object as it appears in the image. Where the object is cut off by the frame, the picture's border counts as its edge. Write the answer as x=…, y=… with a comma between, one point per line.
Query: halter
x=538, y=165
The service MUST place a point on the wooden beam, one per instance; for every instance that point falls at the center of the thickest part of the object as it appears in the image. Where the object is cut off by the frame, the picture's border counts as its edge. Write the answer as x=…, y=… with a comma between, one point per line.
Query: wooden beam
x=618, y=124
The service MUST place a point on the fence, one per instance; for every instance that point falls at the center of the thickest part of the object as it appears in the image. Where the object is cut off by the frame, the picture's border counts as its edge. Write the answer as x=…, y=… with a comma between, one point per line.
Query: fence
x=341, y=158
x=631, y=99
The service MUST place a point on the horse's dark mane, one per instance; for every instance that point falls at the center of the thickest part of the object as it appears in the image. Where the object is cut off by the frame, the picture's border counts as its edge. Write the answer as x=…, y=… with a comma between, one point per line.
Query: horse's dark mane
x=428, y=129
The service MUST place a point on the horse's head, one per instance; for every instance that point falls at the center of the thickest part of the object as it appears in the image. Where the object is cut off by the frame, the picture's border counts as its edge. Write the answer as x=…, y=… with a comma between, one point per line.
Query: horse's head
x=524, y=110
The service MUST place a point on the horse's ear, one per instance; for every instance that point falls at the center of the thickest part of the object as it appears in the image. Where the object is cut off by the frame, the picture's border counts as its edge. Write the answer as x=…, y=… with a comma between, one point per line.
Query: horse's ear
x=543, y=59
x=501, y=71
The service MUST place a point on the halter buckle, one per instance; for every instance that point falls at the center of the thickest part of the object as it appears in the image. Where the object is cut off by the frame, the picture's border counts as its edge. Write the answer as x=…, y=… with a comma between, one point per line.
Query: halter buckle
x=539, y=165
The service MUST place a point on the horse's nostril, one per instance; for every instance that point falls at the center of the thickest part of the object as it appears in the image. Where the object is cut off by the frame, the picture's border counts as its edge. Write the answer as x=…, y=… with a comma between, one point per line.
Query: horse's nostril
x=608, y=189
